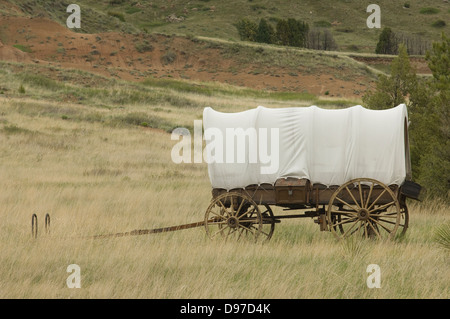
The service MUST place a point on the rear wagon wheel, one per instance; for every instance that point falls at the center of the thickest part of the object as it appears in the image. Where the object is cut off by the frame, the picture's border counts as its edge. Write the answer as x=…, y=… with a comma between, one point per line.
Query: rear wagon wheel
x=366, y=208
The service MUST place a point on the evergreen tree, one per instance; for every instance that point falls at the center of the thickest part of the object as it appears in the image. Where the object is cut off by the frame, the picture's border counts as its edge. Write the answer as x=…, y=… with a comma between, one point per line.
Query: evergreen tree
x=434, y=123
x=304, y=29
x=294, y=33
x=247, y=29
x=394, y=89
x=265, y=32
x=387, y=43
x=282, y=32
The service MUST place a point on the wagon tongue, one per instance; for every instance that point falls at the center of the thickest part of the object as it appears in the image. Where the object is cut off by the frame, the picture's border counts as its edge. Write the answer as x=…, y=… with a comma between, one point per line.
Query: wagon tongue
x=138, y=232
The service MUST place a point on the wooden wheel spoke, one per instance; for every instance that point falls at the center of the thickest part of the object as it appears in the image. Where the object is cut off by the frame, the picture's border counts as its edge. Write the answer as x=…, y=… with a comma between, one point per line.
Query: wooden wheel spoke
x=381, y=225
x=366, y=232
x=348, y=230
x=240, y=233
x=375, y=230
x=379, y=220
x=231, y=205
x=368, y=196
x=345, y=203
x=218, y=215
x=382, y=207
x=360, y=194
x=392, y=213
x=379, y=196
x=246, y=228
x=248, y=214
x=353, y=197
x=219, y=231
x=402, y=225
x=385, y=216
x=357, y=229
x=240, y=207
x=263, y=232
x=268, y=223
x=346, y=221
x=224, y=208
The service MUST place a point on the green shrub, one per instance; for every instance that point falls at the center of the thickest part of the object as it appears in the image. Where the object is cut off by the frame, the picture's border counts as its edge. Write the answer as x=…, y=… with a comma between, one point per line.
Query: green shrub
x=113, y=2
x=322, y=24
x=144, y=120
x=144, y=46
x=439, y=24
x=132, y=10
x=257, y=7
x=429, y=10
x=23, y=48
x=168, y=58
x=117, y=15
x=14, y=129
x=38, y=80
x=442, y=236
x=21, y=89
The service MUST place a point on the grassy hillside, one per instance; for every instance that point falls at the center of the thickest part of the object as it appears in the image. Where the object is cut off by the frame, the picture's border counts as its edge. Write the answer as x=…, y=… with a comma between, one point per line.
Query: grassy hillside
x=213, y=18
x=139, y=57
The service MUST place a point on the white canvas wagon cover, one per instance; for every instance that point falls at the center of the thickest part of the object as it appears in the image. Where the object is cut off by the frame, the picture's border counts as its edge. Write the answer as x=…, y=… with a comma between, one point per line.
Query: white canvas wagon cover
x=326, y=146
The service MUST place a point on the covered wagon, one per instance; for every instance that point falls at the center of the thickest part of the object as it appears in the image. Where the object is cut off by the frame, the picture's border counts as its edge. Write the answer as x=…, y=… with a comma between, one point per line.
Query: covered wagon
x=349, y=169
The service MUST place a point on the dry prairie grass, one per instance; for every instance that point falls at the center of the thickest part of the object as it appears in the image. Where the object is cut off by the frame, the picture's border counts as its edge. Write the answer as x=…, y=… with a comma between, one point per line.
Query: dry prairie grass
x=95, y=179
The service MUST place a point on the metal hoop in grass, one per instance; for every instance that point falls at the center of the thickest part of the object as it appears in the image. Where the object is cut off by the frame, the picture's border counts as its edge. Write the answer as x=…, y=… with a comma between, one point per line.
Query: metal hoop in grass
x=34, y=226
x=47, y=223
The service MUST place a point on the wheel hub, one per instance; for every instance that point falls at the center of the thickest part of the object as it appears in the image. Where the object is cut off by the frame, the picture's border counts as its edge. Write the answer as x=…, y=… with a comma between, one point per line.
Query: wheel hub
x=233, y=222
x=363, y=214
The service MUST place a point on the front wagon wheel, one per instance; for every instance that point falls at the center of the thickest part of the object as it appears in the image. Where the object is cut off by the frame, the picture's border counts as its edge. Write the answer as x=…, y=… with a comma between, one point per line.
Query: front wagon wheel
x=234, y=216
x=365, y=208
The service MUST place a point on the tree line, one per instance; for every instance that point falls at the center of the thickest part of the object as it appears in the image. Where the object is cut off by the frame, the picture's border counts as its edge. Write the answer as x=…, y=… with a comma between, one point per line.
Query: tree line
x=389, y=42
x=288, y=32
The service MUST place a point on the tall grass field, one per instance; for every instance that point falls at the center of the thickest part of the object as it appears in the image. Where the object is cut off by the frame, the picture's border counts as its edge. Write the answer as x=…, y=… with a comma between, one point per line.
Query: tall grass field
x=98, y=165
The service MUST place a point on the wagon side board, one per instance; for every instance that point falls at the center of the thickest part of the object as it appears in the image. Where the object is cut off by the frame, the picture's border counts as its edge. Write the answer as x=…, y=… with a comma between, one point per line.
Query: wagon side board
x=296, y=193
